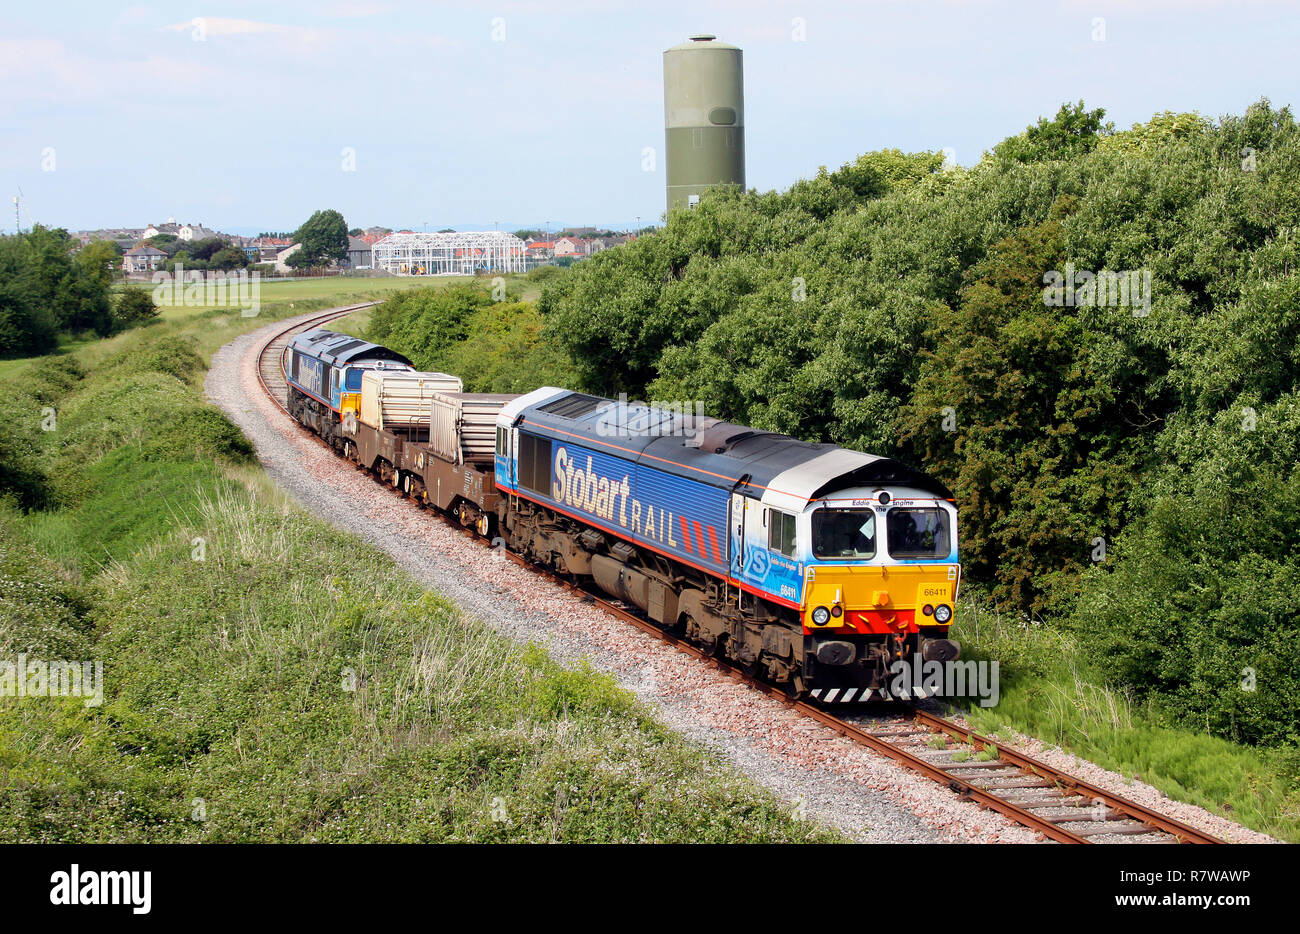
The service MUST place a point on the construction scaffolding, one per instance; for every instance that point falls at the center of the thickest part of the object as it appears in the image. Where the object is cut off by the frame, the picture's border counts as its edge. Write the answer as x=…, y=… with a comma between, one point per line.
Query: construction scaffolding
x=449, y=254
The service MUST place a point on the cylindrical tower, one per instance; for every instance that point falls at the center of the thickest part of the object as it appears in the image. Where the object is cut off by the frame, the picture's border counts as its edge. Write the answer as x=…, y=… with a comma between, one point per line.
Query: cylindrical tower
x=704, y=118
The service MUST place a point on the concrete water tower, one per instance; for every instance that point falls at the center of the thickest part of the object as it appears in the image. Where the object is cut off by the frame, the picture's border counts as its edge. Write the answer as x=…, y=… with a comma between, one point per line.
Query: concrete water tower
x=704, y=118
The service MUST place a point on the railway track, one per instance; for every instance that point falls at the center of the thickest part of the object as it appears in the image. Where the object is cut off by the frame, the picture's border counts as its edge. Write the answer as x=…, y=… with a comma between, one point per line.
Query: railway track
x=270, y=356
x=1055, y=804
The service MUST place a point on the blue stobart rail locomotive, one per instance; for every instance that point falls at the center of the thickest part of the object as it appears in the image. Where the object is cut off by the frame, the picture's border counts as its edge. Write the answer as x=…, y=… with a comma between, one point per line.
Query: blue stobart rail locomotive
x=813, y=566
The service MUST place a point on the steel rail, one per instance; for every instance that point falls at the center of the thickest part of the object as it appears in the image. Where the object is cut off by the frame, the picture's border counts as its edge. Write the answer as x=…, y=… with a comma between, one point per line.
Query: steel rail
x=1067, y=782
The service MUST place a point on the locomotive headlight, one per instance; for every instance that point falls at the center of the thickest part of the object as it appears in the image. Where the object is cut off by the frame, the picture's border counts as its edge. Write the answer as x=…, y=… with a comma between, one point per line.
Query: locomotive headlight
x=821, y=616
x=942, y=613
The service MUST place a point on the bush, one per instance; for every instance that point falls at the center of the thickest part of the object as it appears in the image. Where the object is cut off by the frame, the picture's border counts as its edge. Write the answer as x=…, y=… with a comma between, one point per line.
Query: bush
x=492, y=346
x=545, y=273
x=134, y=305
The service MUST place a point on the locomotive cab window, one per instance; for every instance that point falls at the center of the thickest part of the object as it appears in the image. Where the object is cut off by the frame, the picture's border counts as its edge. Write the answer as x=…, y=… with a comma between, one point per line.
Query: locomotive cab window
x=780, y=532
x=844, y=533
x=917, y=533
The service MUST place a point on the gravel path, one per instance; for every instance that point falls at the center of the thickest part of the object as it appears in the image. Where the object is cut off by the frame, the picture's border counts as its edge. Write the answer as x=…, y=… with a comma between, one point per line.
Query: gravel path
x=839, y=783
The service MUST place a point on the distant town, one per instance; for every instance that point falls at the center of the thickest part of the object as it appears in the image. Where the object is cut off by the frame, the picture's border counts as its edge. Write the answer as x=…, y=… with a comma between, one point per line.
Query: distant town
x=371, y=250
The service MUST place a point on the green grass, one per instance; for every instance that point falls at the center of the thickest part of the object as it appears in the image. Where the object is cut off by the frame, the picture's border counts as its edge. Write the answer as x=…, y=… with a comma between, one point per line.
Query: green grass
x=1049, y=692
x=270, y=678
x=334, y=290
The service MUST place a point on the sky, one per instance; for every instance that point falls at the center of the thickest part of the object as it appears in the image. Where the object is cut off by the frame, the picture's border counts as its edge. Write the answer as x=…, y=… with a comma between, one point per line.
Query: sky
x=248, y=116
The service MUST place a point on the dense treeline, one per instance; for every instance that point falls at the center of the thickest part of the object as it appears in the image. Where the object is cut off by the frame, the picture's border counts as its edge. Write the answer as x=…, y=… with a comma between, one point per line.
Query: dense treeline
x=492, y=345
x=46, y=289
x=1123, y=447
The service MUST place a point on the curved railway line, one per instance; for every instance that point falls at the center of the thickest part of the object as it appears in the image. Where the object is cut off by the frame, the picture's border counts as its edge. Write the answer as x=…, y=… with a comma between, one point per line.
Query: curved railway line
x=1028, y=791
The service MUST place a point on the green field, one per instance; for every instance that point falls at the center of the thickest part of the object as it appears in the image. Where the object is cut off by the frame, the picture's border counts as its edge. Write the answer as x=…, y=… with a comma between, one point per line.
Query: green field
x=336, y=290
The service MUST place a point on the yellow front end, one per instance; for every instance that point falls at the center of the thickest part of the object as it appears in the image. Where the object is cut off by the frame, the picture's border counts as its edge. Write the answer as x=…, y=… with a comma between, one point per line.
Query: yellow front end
x=880, y=599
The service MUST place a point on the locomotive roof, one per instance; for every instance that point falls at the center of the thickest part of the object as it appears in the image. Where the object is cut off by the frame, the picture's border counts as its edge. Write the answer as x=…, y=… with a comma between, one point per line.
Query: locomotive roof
x=341, y=349
x=693, y=445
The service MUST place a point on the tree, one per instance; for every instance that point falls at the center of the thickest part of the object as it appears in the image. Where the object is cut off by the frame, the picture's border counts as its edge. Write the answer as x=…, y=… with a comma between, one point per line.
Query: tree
x=134, y=304
x=101, y=258
x=1072, y=132
x=1160, y=130
x=44, y=289
x=299, y=259
x=324, y=238
x=168, y=243
x=205, y=249
x=27, y=325
x=228, y=258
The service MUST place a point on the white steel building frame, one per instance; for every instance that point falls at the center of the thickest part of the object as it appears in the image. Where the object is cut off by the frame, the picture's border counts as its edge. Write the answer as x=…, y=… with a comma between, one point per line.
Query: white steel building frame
x=449, y=254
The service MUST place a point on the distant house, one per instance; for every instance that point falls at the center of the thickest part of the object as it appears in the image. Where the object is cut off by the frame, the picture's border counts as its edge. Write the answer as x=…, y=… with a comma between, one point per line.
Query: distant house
x=269, y=247
x=142, y=259
x=566, y=246
x=186, y=232
x=280, y=258
x=358, y=253
x=195, y=232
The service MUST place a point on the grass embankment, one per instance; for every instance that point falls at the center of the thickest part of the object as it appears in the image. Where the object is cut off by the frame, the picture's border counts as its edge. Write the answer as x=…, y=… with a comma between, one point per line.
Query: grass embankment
x=1049, y=691
x=270, y=678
